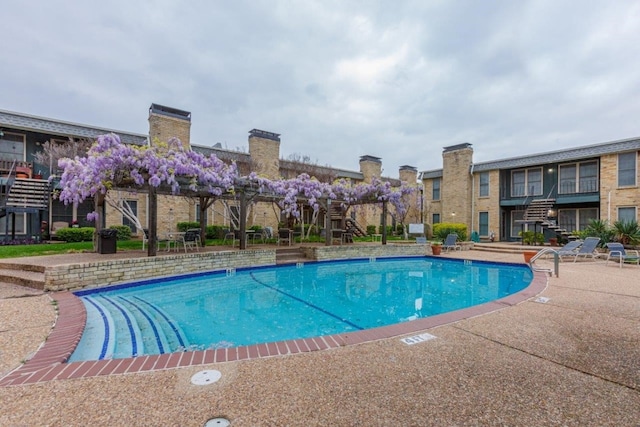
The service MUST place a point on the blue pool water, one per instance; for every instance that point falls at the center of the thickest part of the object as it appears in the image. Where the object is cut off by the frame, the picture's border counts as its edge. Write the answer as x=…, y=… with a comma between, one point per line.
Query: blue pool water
x=257, y=305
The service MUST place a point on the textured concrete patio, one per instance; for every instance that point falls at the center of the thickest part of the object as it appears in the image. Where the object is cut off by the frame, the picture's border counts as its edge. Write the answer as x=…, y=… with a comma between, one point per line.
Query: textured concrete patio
x=573, y=359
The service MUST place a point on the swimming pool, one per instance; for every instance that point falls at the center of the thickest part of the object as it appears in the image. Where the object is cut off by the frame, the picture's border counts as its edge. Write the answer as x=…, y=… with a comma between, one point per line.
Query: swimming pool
x=256, y=305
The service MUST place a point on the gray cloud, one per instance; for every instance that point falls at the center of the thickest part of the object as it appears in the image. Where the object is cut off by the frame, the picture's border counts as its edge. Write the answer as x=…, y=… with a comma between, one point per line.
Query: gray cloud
x=397, y=80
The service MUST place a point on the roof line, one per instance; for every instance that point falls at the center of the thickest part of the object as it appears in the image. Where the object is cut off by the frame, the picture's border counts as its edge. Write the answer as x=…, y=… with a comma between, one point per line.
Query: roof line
x=80, y=125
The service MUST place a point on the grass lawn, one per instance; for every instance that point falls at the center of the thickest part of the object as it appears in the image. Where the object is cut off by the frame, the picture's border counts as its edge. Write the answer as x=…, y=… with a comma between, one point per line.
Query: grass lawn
x=14, y=251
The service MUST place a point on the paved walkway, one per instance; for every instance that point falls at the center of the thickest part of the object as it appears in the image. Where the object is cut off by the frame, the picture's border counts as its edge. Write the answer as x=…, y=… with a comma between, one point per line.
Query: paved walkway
x=570, y=358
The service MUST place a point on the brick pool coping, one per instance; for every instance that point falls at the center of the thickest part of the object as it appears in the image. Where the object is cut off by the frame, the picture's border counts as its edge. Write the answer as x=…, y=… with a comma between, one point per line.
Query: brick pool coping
x=49, y=362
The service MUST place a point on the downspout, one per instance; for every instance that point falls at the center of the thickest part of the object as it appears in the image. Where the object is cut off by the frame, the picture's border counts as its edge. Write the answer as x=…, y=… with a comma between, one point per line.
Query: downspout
x=473, y=204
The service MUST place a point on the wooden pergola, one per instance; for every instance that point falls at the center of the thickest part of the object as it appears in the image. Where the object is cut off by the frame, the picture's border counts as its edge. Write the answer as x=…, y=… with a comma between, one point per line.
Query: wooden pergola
x=244, y=192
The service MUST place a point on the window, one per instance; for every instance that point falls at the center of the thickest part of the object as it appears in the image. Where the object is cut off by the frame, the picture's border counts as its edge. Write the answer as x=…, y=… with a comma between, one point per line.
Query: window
x=517, y=227
x=576, y=219
x=627, y=214
x=483, y=223
x=12, y=147
x=627, y=169
x=20, y=223
x=435, y=218
x=518, y=183
x=133, y=205
x=484, y=184
x=526, y=182
x=436, y=189
x=197, y=215
x=578, y=178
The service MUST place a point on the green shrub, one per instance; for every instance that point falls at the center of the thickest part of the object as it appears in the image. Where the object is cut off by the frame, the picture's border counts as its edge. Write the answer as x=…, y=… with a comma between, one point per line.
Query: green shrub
x=443, y=229
x=184, y=226
x=400, y=229
x=124, y=232
x=531, y=238
x=82, y=234
x=371, y=230
x=598, y=228
x=214, y=232
x=389, y=230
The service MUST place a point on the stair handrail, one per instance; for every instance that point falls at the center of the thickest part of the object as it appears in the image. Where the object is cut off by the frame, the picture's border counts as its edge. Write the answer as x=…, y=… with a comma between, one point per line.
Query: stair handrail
x=556, y=261
x=551, y=191
x=11, y=177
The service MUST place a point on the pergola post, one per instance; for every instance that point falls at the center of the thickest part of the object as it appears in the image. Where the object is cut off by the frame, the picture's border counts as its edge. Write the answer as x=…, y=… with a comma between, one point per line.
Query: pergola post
x=384, y=222
x=243, y=221
x=327, y=224
x=152, y=247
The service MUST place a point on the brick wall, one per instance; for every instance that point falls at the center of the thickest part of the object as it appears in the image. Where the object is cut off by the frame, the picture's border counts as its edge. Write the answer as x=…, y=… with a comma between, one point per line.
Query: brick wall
x=455, y=192
x=162, y=128
x=619, y=196
x=489, y=204
x=370, y=167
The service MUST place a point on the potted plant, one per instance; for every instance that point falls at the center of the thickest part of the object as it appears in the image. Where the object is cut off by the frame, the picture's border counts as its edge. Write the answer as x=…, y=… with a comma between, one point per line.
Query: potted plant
x=436, y=248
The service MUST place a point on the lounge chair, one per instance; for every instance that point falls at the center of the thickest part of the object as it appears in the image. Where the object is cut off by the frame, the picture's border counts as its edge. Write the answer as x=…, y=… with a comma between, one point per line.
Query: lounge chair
x=587, y=249
x=421, y=240
x=570, y=249
x=450, y=243
x=618, y=252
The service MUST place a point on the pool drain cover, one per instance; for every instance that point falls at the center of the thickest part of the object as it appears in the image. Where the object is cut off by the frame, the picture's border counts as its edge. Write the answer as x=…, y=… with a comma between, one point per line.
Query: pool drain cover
x=217, y=422
x=206, y=377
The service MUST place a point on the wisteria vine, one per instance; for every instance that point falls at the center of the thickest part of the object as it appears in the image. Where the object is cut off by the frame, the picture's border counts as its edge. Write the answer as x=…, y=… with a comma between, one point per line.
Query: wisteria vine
x=110, y=164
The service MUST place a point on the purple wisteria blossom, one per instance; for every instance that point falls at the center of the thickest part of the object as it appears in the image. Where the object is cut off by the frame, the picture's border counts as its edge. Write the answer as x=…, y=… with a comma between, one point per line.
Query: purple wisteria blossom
x=110, y=164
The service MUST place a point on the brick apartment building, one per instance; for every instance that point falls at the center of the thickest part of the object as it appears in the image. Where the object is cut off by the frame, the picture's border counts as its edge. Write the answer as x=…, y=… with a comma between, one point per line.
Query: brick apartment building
x=22, y=135
x=569, y=188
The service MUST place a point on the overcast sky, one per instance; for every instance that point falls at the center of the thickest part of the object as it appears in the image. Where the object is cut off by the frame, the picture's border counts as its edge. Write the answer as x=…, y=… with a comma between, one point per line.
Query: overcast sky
x=337, y=79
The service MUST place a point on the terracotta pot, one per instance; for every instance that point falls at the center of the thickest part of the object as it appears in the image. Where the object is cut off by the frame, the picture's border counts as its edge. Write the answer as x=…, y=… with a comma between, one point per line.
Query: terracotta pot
x=528, y=256
x=436, y=249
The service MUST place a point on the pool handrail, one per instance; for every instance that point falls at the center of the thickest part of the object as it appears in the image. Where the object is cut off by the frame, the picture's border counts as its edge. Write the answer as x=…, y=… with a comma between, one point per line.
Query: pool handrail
x=556, y=261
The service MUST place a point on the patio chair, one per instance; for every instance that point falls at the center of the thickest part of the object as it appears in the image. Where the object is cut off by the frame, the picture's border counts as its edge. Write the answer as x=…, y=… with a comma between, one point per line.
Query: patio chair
x=450, y=243
x=570, y=249
x=191, y=239
x=618, y=252
x=229, y=235
x=421, y=240
x=264, y=235
x=145, y=239
x=285, y=236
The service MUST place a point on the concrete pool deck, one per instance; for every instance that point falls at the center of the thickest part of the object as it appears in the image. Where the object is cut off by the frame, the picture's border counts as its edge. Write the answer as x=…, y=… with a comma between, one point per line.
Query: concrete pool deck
x=572, y=360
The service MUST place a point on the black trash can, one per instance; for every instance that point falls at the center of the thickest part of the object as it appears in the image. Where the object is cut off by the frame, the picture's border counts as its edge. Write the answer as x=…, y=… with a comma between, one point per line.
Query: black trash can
x=107, y=239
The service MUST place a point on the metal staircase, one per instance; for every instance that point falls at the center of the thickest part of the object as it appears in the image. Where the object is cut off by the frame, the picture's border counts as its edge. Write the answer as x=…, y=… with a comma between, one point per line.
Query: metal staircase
x=350, y=225
x=537, y=213
x=24, y=195
x=354, y=228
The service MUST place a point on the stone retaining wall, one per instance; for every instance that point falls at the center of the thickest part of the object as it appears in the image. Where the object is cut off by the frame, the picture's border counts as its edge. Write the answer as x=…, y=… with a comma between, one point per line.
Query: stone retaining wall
x=323, y=253
x=100, y=273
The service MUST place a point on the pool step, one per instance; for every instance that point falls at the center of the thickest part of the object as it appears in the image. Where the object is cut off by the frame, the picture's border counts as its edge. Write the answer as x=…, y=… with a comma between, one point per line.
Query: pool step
x=22, y=275
x=289, y=255
x=140, y=325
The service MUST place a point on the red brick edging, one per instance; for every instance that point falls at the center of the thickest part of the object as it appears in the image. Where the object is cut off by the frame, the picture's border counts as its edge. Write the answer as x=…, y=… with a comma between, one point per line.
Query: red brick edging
x=49, y=362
